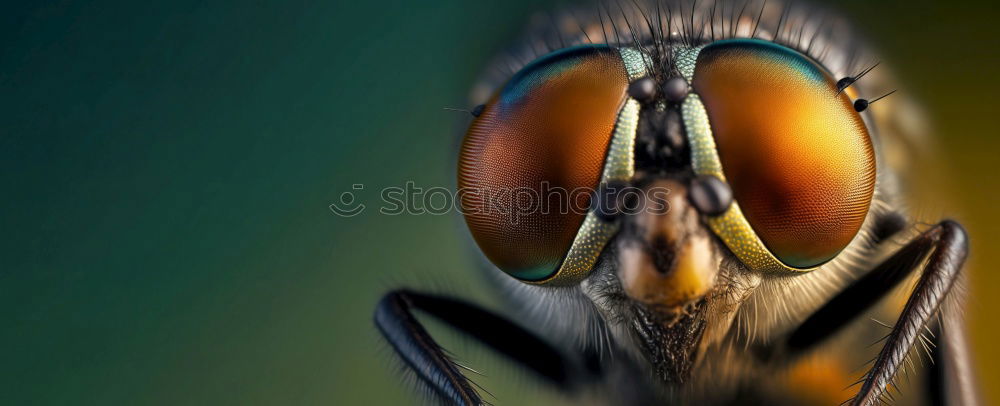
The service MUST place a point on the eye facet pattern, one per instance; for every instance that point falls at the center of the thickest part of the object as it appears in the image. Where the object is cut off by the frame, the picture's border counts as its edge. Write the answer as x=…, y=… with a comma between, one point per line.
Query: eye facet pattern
x=765, y=119
x=548, y=129
x=797, y=155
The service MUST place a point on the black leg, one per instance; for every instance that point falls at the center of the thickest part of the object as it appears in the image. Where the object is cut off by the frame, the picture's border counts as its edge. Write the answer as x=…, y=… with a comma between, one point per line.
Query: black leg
x=394, y=319
x=957, y=377
x=951, y=246
x=949, y=375
x=947, y=246
x=936, y=375
x=862, y=294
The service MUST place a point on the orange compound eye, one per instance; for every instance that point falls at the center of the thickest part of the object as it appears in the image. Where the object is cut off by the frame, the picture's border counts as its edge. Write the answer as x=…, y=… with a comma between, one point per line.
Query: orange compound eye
x=547, y=130
x=798, y=157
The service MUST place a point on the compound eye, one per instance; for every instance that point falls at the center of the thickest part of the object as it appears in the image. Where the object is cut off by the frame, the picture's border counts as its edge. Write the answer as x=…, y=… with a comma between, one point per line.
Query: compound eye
x=798, y=157
x=547, y=130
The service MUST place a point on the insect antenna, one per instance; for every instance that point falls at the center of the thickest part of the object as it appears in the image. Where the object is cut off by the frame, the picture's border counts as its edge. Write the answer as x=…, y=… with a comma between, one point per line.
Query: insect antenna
x=884, y=337
x=665, y=32
x=600, y=18
x=579, y=23
x=631, y=30
x=475, y=111
x=661, y=40
x=480, y=388
x=723, y=17
x=736, y=27
x=786, y=10
x=846, y=82
x=760, y=15
x=928, y=346
x=657, y=48
x=803, y=20
x=862, y=104
x=711, y=20
x=684, y=31
x=816, y=34
x=614, y=27
x=694, y=6
x=681, y=31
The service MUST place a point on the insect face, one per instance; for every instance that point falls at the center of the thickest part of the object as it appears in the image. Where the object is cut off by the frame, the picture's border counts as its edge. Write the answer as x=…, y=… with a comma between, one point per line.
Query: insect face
x=686, y=197
x=760, y=118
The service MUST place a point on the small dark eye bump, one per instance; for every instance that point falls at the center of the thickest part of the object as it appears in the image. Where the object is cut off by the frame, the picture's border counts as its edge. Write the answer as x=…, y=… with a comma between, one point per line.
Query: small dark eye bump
x=861, y=105
x=476, y=111
x=786, y=108
x=710, y=195
x=675, y=89
x=888, y=225
x=844, y=83
x=847, y=81
x=643, y=89
x=612, y=199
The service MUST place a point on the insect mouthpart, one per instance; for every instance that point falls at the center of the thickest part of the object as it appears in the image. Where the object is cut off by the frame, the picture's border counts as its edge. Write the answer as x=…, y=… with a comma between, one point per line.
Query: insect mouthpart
x=666, y=257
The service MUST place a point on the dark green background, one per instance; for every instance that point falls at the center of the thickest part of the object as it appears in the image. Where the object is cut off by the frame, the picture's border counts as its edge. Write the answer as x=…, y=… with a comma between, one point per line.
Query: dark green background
x=166, y=168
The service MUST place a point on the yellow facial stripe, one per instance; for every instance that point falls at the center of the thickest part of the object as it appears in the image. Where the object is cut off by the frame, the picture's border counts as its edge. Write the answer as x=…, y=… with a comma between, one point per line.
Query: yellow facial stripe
x=594, y=233
x=731, y=226
x=770, y=122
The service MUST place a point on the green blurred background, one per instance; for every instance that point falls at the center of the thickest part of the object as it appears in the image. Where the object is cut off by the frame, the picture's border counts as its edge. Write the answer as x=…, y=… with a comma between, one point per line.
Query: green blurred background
x=167, y=167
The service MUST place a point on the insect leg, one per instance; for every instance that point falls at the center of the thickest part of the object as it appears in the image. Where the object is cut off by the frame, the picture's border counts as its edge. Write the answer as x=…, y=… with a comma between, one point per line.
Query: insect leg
x=861, y=295
x=952, y=359
x=950, y=247
x=394, y=319
x=945, y=247
x=942, y=249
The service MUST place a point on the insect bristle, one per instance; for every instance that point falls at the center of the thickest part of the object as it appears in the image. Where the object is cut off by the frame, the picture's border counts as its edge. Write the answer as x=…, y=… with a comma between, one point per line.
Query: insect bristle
x=655, y=26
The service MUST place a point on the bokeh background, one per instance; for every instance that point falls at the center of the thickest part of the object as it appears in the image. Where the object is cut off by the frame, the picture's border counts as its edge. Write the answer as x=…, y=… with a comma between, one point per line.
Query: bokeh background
x=166, y=169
